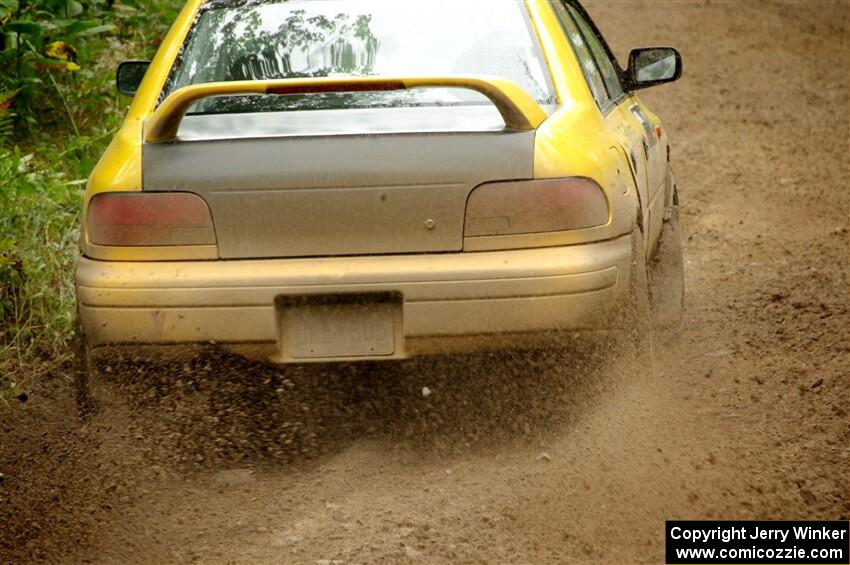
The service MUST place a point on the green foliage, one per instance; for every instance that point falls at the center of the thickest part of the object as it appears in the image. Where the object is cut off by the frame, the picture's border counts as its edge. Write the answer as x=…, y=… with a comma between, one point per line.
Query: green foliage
x=58, y=110
x=38, y=215
x=6, y=118
x=51, y=51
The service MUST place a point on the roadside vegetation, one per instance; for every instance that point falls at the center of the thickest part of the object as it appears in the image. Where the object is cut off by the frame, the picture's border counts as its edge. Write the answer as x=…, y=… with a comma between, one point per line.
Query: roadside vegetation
x=58, y=111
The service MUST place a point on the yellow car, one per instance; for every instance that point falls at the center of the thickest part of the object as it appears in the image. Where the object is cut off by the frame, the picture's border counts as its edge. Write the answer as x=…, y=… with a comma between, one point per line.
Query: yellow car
x=320, y=181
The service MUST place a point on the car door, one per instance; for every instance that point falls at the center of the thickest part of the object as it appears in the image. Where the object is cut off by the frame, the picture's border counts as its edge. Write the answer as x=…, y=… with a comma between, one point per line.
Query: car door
x=642, y=127
x=648, y=130
x=624, y=115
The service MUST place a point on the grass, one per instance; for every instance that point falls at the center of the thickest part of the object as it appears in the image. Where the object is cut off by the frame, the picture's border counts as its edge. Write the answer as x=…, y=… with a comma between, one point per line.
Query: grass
x=57, y=123
x=39, y=208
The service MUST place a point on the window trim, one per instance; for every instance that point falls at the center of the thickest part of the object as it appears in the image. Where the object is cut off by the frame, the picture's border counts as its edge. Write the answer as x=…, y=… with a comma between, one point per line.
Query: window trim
x=553, y=99
x=542, y=59
x=605, y=107
x=598, y=36
x=612, y=102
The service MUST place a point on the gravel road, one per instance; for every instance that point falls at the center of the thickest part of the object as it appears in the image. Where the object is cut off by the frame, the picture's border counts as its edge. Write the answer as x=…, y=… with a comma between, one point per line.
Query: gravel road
x=538, y=458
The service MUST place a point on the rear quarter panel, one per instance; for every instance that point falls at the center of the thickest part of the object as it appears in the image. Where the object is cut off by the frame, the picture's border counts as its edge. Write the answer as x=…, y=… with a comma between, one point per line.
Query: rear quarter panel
x=575, y=140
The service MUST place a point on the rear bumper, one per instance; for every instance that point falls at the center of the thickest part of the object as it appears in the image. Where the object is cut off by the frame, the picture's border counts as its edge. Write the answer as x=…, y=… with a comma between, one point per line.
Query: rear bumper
x=450, y=301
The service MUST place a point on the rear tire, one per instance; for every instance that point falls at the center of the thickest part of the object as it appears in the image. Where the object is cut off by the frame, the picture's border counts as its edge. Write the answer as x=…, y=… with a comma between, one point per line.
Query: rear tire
x=629, y=342
x=666, y=275
x=83, y=368
x=636, y=335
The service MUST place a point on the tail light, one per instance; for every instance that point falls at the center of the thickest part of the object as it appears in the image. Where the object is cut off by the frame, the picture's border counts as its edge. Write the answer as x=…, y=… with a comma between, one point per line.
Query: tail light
x=149, y=219
x=506, y=208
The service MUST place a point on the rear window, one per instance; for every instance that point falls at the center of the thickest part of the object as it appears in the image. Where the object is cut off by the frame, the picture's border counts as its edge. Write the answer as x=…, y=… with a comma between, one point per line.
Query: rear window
x=280, y=39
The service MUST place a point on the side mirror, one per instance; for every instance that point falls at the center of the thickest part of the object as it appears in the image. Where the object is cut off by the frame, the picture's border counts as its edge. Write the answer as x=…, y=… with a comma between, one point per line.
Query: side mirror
x=653, y=65
x=130, y=75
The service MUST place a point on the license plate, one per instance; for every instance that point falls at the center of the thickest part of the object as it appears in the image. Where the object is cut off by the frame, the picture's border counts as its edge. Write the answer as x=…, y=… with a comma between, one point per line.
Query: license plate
x=337, y=326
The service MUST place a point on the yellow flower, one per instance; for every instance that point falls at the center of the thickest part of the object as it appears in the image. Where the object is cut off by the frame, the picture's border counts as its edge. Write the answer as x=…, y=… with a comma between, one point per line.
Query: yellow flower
x=72, y=67
x=61, y=50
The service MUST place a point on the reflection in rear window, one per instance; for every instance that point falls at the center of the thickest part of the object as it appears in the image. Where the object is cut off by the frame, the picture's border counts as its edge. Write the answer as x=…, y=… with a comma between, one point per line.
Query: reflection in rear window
x=280, y=39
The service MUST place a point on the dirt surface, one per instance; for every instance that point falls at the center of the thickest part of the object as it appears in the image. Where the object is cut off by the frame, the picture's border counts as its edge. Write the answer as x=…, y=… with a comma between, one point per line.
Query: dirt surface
x=534, y=458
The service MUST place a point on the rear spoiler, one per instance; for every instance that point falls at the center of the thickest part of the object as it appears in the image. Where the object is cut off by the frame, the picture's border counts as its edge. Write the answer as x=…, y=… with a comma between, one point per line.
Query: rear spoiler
x=518, y=109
